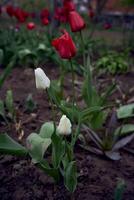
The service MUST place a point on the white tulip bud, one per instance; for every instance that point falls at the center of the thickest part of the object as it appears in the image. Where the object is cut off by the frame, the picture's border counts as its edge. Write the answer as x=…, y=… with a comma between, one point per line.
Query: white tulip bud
x=42, y=81
x=64, y=127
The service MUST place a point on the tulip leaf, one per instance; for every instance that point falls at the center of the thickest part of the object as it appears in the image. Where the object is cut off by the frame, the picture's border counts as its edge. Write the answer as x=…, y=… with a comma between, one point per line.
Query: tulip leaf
x=1, y=56
x=24, y=53
x=9, y=102
x=50, y=171
x=125, y=111
x=113, y=155
x=70, y=176
x=2, y=109
x=41, y=47
x=58, y=150
x=118, y=195
x=122, y=142
x=10, y=146
x=30, y=104
x=37, y=146
x=124, y=130
x=47, y=129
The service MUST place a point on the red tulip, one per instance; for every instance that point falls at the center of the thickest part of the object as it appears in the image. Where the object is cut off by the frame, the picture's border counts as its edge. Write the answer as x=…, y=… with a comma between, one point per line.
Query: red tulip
x=31, y=26
x=44, y=13
x=91, y=13
x=65, y=46
x=10, y=10
x=45, y=21
x=107, y=26
x=69, y=5
x=76, y=21
x=20, y=15
x=61, y=14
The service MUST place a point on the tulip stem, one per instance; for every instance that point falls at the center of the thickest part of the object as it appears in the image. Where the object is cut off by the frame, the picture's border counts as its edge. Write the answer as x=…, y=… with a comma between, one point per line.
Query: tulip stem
x=53, y=110
x=73, y=82
x=83, y=47
x=75, y=137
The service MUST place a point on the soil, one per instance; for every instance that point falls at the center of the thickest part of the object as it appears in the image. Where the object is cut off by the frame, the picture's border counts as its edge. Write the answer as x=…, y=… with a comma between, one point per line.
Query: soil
x=98, y=176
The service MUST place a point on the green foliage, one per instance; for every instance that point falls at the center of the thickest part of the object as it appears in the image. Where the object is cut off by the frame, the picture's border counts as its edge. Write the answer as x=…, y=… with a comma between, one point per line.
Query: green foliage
x=71, y=176
x=10, y=104
x=113, y=62
x=127, y=2
x=9, y=146
x=37, y=146
x=118, y=195
x=125, y=111
x=7, y=109
x=93, y=99
x=111, y=141
x=58, y=150
x=30, y=104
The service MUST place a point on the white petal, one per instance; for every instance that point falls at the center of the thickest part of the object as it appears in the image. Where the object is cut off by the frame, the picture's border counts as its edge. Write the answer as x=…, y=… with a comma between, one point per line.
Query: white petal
x=42, y=81
x=64, y=127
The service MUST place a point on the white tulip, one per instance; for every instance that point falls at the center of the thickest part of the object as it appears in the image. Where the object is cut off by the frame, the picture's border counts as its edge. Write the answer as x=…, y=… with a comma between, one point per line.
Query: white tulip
x=42, y=81
x=64, y=127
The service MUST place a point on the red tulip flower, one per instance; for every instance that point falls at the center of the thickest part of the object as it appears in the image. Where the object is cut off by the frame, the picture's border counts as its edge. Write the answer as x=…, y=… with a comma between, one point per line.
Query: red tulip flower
x=69, y=5
x=31, y=26
x=76, y=21
x=65, y=46
x=61, y=14
x=10, y=10
x=45, y=21
x=91, y=13
x=20, y=15
x=44, y=13
x=107, y=26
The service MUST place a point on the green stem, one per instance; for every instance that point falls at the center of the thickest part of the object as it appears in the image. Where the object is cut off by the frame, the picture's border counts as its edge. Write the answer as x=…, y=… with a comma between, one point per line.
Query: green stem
x=75, y=137
x=83, y=47
x=53, y=110
x=62, y=74
x=73, y=82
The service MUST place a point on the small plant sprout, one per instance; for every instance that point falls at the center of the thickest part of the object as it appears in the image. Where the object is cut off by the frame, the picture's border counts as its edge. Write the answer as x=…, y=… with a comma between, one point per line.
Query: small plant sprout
x=30, y=104
x=7, y=108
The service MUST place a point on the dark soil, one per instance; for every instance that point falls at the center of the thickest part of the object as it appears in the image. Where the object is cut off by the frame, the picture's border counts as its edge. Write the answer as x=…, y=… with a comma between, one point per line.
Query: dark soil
x=98, y=176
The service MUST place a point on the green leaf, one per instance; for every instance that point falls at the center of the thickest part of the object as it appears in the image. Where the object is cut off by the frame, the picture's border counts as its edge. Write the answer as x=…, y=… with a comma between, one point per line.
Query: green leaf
x=50, y=171
x=98, y=119
x=125, y=111
x=7, y=70
x=9, y=146
x=9, y=102
x=2, y=109
x=24, y=53
x=37, y=146
x=41, y=47
x=47, y=129
x=56, y=89
x=1, y=56
x=58, y=150
x=122, y=142
x=30, y=104
x=70, y=176
x=124, y=130
x=118, y=195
